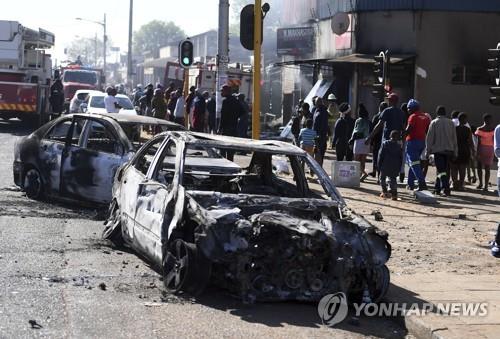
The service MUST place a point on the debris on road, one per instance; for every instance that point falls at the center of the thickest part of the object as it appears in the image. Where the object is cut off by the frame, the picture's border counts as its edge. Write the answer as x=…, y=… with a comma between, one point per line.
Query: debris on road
x=425, y=197
x=34, y=324
x=378, y=216
x=102, y=286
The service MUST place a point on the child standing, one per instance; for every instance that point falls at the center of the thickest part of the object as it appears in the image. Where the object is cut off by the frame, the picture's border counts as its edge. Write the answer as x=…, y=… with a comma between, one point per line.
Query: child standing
x=307, y=137
x=389, y=163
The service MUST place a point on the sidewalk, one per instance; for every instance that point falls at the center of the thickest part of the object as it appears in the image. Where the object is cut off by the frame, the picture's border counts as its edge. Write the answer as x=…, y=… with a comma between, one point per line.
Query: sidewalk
x=448, y=287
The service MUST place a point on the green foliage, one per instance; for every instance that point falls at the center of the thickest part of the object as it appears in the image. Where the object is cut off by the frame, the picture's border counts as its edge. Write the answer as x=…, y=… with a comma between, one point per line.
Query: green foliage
x=156, y=34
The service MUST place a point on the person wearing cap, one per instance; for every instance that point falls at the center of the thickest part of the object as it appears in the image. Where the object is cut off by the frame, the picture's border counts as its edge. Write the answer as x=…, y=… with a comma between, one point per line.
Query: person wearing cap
x=231, y=111
x=441, y=141
x=416, y=131
x=391, y=119
x=333, y=110
x=342, y=134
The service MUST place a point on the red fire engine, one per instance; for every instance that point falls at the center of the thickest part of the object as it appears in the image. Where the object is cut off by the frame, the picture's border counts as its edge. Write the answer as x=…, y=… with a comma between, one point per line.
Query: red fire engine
x=25, y=72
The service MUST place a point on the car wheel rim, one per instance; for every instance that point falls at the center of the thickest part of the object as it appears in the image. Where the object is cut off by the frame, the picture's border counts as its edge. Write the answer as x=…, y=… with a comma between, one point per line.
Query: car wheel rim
x=32, y=183
x=177, y=265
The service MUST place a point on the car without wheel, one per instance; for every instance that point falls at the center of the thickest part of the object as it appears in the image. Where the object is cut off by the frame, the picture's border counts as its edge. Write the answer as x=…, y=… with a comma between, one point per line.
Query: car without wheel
x=76, y=156
x=256, y=226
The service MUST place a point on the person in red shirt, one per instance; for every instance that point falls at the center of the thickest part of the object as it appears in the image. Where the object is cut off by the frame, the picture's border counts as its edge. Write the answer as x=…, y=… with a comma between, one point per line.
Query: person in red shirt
x=416, y=131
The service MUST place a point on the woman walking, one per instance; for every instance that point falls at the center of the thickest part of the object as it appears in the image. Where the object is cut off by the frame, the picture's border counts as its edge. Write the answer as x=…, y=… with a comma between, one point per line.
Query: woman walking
x=485, y=151
x=362, y=129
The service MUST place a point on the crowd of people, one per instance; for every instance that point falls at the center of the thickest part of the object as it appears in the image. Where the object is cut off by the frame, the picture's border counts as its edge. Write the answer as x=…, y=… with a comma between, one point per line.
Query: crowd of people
x=196, y=110
x=398, y=136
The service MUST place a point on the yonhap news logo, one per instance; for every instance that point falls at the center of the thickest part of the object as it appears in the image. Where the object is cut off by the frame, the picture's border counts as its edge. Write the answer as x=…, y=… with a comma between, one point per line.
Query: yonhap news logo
x=333, y=309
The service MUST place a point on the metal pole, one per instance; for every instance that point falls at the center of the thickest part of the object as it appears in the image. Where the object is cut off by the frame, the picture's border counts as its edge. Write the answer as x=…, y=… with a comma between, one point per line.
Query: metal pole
x=104, y=49
x=222, y=53
x=95, y=46
x=256, y=69
x=129, y=55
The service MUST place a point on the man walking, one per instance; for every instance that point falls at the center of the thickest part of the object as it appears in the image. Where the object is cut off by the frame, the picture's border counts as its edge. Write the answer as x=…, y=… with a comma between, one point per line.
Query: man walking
x=211, y=107
x=320, y=125
x=231, y=111
x=418, y=124
x=391, y=119
x=442, y=143
x=341, y=134
x=180, y=107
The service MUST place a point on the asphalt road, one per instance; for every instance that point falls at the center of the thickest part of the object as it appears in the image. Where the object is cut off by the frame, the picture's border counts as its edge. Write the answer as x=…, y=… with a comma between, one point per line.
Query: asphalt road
x=58, y=279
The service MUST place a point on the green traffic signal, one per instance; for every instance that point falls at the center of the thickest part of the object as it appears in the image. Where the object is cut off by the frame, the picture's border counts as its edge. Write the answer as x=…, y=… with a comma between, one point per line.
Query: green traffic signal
x=186, y=53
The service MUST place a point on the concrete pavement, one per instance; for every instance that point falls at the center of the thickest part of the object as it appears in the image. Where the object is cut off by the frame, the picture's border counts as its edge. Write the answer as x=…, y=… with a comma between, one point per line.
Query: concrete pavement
x=439, y=288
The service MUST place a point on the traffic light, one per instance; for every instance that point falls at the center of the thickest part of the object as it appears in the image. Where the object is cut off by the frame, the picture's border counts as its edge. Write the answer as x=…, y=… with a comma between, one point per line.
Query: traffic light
x=186, y=54
x=495, y=99
x=378, y=68
x=247, y=23
x=381, y=70
x=494, y=71
x=494, y=64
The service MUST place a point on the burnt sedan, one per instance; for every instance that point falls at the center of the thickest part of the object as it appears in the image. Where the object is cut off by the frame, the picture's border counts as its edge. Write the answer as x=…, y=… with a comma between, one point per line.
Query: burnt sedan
x=76, y=156
x=257, y=226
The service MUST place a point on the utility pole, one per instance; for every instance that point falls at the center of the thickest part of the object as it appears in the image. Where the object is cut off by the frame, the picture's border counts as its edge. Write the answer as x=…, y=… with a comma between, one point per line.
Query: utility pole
x=129, y=54
x=104, y=50
x=95, y=50
x=256, y=69
x=222, y=53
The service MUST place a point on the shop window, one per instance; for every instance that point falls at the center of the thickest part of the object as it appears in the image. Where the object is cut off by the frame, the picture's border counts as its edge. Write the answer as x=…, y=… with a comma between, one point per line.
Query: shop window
x=469, y=75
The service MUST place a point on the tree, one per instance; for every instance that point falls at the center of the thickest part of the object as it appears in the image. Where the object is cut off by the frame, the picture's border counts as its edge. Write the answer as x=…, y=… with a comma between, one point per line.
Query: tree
x=85, y=48
x=156, y=34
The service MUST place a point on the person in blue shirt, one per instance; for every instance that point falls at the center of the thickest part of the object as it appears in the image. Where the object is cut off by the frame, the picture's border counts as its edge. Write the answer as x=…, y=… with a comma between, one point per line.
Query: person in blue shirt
x=391, y=119
x=307, y=137
x=389, y=162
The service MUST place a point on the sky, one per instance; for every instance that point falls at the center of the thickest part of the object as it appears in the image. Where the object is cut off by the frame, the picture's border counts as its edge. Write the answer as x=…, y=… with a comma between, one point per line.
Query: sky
x=58, y=17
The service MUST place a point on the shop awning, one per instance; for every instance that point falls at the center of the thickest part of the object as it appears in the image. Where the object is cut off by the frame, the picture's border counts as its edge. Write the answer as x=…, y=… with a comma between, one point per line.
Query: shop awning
x=368, y=58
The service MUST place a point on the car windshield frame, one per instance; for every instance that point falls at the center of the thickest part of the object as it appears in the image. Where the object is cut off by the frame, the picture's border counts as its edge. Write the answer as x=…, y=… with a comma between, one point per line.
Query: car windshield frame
x=83, y=77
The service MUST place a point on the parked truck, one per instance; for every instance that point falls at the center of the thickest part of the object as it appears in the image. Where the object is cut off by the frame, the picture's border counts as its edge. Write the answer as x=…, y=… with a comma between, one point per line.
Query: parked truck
x=75, y=77
x=25, y=72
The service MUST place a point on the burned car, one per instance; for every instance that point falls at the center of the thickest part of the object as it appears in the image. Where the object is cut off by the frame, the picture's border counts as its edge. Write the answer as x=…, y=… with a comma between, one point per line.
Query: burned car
x=256, y=226
x=76, y=156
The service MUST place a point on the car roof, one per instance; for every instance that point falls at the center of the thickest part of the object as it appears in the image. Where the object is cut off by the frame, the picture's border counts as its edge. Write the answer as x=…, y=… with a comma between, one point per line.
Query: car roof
x=134, y=119
x=212, y=140
x=89, y=91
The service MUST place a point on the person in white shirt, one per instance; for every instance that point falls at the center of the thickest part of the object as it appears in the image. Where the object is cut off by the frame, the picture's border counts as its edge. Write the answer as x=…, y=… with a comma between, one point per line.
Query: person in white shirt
x=110, y=102
x=179, y=110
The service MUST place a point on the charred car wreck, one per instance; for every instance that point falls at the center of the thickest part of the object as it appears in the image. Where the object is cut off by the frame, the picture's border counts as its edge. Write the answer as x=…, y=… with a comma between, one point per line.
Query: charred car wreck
x=255, y=226
x=76, y=156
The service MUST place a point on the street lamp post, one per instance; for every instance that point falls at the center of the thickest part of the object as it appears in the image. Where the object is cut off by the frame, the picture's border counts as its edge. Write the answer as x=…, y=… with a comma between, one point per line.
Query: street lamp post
x=104, y=40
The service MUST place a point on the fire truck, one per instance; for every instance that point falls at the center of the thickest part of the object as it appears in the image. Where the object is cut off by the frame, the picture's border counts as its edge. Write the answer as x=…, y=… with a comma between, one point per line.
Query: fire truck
x=75, y=77
x=204, y=77
x=25, y=72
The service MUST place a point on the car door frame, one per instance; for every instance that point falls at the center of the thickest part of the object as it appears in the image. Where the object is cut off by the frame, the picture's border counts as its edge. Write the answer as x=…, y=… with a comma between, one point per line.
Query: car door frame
x=156, y=235
x=126, y=193
x=44, y=165
x=82, y=148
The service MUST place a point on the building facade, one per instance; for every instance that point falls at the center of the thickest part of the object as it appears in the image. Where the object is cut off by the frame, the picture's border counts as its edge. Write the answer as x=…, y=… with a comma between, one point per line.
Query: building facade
x=438, y=48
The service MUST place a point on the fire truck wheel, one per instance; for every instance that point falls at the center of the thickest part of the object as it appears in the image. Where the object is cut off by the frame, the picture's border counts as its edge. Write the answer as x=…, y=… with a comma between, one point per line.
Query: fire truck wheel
x=33, y=185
